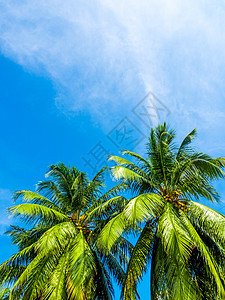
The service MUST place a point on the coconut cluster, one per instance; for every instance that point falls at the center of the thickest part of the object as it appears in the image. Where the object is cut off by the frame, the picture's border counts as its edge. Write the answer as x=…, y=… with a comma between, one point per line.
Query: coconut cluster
x=174, y=199
x=81, y=224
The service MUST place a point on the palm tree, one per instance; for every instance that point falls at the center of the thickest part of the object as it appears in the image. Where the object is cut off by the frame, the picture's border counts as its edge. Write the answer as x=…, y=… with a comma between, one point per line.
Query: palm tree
x=58, y=256
x=183, y=240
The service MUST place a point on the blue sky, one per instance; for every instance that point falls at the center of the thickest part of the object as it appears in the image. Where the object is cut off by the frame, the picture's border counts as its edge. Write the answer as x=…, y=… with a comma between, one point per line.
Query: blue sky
x=73, y=74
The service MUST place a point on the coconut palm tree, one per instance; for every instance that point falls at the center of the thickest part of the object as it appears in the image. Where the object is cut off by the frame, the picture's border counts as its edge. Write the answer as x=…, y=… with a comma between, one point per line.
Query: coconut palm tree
x=58, y=256
x=182, y=240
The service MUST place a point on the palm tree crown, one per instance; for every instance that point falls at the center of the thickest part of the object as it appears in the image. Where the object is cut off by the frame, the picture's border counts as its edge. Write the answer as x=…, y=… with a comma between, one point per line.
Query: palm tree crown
x=183, y=239
x=58, y=257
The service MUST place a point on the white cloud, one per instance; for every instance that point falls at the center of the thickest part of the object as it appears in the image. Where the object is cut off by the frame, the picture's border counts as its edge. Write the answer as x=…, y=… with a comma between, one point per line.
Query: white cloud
x=5, y=202
x=105, y=55
x=5, y=195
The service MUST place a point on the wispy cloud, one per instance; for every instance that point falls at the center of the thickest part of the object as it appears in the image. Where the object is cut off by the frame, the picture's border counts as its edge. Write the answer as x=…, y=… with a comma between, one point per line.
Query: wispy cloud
x=105, y=55
x=5, y=202
x=5, y=194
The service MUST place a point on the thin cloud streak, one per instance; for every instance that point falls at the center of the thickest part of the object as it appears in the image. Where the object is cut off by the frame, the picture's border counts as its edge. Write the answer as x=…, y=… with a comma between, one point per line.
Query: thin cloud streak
x=105, y=56
x=5, y=202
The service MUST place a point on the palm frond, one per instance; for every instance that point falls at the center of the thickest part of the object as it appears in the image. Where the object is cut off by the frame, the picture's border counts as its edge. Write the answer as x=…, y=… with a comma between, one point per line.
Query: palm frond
x=126, y=163
x=57, y=237
x=82, y=266
x=142, y=162
x=138, y=261
x=173, y=234
x=184, y=147
x=209, y=220
x=112, y=231
x=209, y=260
x=143, y=207
x=35, y=198
x=34, y=213
x=56, y=288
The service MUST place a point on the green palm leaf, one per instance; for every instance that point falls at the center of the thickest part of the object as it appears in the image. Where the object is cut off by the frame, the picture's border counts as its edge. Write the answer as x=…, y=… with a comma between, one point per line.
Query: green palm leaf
x=37, y=213
x=209, y=220
x=175, y=175
x=208, y=258
x=138, y=260
x=59, y=256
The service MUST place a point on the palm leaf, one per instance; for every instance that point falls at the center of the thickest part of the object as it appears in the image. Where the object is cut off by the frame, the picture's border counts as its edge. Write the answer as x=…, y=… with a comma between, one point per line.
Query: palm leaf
x=209, y=260
x=138, y=261
x=35, y=213
x=210, y=221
